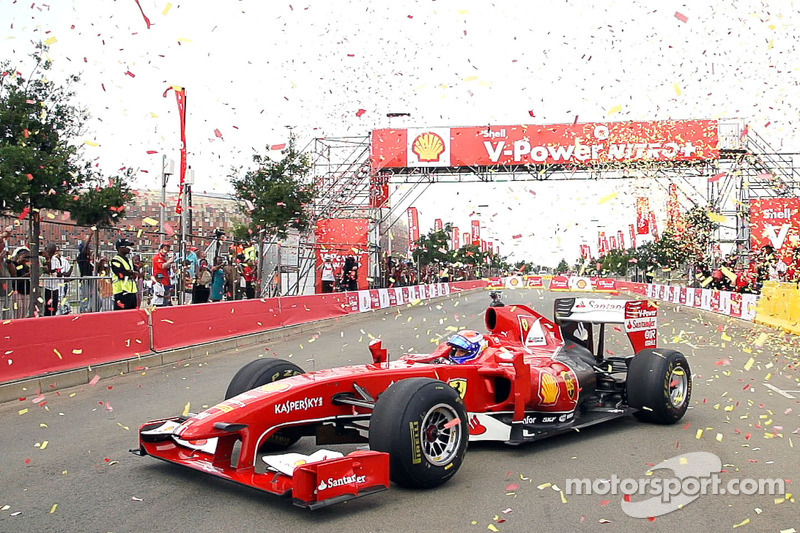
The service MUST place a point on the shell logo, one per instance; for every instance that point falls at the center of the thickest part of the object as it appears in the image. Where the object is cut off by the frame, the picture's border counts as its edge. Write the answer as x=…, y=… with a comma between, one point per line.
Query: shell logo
x=581, y=284
x=548, y=389
x=428, y=147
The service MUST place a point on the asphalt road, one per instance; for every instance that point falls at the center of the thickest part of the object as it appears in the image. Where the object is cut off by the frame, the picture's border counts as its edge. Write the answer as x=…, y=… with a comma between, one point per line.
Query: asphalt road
x=65, y=465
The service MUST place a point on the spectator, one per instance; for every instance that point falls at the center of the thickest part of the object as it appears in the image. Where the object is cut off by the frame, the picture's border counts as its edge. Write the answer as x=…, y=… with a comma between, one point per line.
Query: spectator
x=217, y=280
x=201, y=289
x=344, y=279
x=105, y=287
x=249, y=273
x=352, y=279
x=138, y=266
x=19, y=267
x=87, y=288
x=193, y=261
x=328, y=277
x=125, y=276
x=159, y=292
x=56, y=267
x=162, y=264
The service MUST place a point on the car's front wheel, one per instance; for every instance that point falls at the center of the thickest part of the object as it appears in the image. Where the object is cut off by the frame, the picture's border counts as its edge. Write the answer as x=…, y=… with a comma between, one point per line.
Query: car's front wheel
x=659, y=385
x=422, y=424
x=261, y=372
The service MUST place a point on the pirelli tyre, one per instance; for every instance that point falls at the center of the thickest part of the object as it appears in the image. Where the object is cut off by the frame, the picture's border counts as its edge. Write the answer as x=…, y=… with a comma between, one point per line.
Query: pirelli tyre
x=260, y=372
x=659, y=385
x=422, y=424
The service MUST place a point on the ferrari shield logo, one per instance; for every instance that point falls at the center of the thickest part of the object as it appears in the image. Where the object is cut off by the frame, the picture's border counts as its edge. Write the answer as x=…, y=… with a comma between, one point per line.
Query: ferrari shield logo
x=569, y=382
x=460, y=385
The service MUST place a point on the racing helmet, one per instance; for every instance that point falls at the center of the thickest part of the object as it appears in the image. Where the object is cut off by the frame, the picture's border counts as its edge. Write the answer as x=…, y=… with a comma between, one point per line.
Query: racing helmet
x=472, y=342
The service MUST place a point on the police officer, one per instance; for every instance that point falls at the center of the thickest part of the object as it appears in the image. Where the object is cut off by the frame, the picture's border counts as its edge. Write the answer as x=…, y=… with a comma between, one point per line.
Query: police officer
x=124, y=274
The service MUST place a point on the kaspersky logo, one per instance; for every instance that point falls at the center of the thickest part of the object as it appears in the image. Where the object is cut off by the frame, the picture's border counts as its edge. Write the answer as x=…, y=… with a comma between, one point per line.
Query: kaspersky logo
x=428, y=147
x=338, y=482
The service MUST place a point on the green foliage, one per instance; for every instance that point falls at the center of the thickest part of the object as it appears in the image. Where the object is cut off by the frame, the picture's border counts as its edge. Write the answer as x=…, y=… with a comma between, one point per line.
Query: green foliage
x=434, y=247
x=101, y=206
x=276, y=195
x=38, y=162
x=563, y=266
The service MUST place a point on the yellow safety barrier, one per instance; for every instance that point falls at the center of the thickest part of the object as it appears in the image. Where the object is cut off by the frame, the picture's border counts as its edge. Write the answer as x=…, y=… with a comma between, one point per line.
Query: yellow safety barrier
x=779, y=306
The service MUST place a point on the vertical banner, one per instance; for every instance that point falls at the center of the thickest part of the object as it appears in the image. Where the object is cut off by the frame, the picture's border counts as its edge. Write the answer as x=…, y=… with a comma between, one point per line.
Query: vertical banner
x=413, y=228
x=490, y=247
x=456, y=237
x=621, y=239
x=180, y=97
x=437, y=224
x=497, y=250
x=379, y=190
x=632, y=231
x=466, y=239
x=642, y=213
x=476, y=231
x=775, y=222
x=673, y=207
x=340, y=238
x=483, y=246
x=585, y=251
x=602, y=244
x=612, y=242
x=653, y=227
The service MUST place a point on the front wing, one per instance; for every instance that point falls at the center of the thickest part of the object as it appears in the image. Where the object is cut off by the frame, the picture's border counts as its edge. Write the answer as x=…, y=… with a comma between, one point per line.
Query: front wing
x=311, y=485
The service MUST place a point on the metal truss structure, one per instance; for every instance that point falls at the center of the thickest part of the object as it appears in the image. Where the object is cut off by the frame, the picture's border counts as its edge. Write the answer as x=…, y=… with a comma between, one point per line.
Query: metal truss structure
x=747, y=168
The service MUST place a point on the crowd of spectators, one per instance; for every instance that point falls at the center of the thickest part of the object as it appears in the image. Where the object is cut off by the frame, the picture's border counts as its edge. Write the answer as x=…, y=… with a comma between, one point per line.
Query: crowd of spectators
x=737, y=274
x=84, y=283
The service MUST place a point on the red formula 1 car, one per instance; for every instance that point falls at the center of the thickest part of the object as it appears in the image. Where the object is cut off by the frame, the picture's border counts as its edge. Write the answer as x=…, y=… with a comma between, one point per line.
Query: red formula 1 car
x=532, y=378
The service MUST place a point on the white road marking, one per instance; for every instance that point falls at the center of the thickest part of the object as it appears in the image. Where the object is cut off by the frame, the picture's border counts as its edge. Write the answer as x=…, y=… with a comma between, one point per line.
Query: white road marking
x=779, y=391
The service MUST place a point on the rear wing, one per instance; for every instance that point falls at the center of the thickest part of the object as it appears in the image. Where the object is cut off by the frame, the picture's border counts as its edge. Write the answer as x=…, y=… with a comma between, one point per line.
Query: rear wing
x=576, y=316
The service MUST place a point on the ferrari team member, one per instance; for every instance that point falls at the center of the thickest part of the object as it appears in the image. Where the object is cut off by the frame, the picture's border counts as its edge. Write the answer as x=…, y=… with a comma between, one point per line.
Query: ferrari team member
x=466, y=345
x=124, y=274
x=161, y=270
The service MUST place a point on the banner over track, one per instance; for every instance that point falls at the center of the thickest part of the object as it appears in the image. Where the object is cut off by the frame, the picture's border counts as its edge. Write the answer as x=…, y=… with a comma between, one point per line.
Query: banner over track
x=587, y=144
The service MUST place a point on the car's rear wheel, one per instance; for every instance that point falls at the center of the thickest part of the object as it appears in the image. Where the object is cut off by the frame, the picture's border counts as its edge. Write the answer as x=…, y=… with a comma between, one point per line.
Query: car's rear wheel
x=261, y=372
x=659, y=384
x=422, y=424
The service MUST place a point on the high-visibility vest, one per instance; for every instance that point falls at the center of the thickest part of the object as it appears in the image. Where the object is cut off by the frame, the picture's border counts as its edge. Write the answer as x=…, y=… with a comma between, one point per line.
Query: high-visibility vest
x=125, y=284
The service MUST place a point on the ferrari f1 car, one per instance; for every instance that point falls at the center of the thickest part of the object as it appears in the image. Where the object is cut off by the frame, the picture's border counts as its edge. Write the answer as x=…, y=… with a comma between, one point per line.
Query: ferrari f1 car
x=533, y=378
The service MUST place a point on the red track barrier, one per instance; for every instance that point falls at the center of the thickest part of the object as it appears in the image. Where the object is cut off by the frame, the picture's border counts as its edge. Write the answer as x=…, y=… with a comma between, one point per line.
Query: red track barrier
x=301, y=309
x=185, y=325
x=37, y=346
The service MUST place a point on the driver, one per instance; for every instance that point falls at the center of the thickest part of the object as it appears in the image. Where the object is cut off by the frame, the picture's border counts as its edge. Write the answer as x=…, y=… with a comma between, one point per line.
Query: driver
x=466, y=345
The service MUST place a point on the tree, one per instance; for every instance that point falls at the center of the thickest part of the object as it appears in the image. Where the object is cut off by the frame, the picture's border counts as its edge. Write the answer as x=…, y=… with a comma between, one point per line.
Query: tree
x=40, y=164
x=434, y=247
x=562, y=267
x=101, y=207
x=275, y=196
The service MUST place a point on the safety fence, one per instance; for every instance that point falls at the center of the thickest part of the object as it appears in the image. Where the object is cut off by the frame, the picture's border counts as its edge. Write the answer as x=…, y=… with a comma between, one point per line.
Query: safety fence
x=40, y=346
x=87, y=294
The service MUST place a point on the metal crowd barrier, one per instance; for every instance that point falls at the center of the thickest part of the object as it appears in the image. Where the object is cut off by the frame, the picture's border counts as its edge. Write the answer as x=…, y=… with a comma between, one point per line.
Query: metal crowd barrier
x=76, y=295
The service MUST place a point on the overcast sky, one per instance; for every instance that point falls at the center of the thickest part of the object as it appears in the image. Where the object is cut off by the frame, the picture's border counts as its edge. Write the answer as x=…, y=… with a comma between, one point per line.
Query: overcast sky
x=253, y=69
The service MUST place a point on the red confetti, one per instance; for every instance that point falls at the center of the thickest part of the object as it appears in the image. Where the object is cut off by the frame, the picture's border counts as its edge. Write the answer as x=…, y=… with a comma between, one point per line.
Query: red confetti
x=681, y=17
x=519, y=236
x=131, y=74
x=531, y=113
x=146, y=20
x=277, y=146
x=512, y=487
x=360, y=112
x=151, y=152
x=604, y=503
x=24, y=213
x=718, y=176
x=218, y=133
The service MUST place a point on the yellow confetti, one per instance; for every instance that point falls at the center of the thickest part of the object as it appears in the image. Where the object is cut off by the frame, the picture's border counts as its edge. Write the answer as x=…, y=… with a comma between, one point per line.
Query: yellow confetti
x=184, y=40
x=23, y=411
x=90, y=143
x=186, y=409
x=615, y=109
x=725, y=337
x=699, y=434
x=58, y=353
x=719, y=437
x=77, y=351
x=544, y=486
x=749, y=364
x=51, y=40
x=492, y=528
x=151, y=221
x=471, y=78
x=742, y=523
x=608, y=198
x=126, y=428
x=44, y=445
x=167, y=321
x=761, y=339
x=677, y=89
x=167, y=8
x=43, y=425
x=563, y=498
x=716, y=217
x=53, y=508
